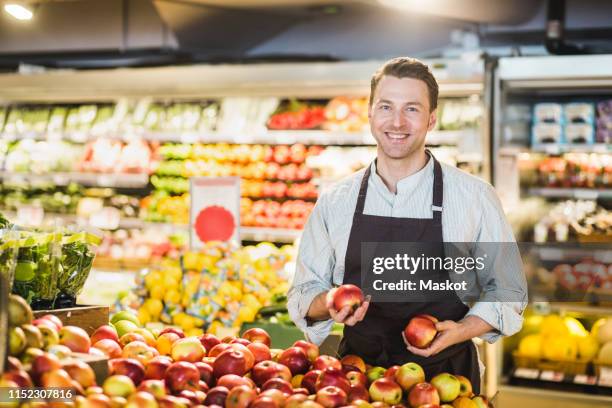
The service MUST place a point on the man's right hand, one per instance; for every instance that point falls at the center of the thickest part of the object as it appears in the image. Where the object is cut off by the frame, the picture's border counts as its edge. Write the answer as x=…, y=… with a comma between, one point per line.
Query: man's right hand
x=346, y=315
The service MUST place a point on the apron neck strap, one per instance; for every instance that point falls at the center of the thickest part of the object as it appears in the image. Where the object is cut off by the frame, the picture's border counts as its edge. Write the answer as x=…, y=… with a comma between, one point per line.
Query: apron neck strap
x=438, y=190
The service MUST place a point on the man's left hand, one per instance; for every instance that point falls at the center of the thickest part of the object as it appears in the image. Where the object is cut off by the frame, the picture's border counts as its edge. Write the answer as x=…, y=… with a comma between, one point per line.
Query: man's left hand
x=449, y=333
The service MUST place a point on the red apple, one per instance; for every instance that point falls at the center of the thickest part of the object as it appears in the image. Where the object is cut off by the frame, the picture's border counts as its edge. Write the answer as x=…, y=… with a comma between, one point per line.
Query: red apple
x=464, y=402
x=127, y=366
x=333, y=376
x=295, y=400
x=390, y=373
x=109, y=347
x=53, y=319
x=240, y=397
x=300, y=391
x=155, y=369
x=352, y=362
x=420, y=331
x=81, y=372
x=230, y=381
x=206, y=372
x=56, y=378
x=230, y=362
x=128, y=338
x=276, y=395
x=190, y=395
x=202, y=386
x=423, y=393
x=347, y=295
x=358, y=392
x=257, y=335
x=357, y=378
x=249, y=357
x=331, y=397
x=218, y=349
x=386, y=390
x=323, y=362
x=310, y=381
x=447, y=385
x=311, y=349
x=182, y=375
x=42, y=364
x=209, y=341
x=266, y=370
x=278, y=384
x=174, y=330
x=465, y=389
x=264, y=402
x=216, y=396
x=75, y=338
x=157, y=388
x=408, y=375
x=118, y=386
x=244, y=342
x=22, y=378
x=295, y=359
x=188, y=349
x=104, y=332
x=97, y=401
x=139, y=350
x=141, y=399
x=260, y=352
x=170, y=401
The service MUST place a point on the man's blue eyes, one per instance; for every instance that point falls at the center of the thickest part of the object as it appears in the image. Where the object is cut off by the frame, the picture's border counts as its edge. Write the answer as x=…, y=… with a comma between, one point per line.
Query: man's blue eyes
x=409, y=108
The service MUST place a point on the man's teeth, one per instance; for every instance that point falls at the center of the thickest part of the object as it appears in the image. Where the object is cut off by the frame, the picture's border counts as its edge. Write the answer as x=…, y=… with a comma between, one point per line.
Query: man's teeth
x=397, y=135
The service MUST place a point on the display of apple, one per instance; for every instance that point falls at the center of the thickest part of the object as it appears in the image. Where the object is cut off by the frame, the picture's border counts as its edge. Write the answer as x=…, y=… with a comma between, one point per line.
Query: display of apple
x=420, y=331
x=182, y=375
x=322, y=362
x=278, y=384
x=295, y=359
x=311, y=349
x=335, y=377
x=348, y=295
x=118, y=386
x=309, y=381
x=465, y=389
x=104, y=332
x=216, y=396
x=423, y=393
x=386, y=390
x=155, y=368
x=109, y=347
x=257, y=335
x=331, y=397
x=129, y=367
x=75, y=338
x=448, y=386
x=266, y=370
x=188, y=349
x=409, y=375
x=157, y=388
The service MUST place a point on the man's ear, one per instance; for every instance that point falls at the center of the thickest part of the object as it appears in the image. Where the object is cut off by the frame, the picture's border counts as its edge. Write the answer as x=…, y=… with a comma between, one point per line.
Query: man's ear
x=433, y=118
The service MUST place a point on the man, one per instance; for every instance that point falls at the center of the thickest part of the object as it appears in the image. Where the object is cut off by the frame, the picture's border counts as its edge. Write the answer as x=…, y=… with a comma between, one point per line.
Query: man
x=406, y=195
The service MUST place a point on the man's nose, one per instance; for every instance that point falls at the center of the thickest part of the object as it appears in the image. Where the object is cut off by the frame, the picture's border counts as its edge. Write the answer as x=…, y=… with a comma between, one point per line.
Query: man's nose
x=399, y=119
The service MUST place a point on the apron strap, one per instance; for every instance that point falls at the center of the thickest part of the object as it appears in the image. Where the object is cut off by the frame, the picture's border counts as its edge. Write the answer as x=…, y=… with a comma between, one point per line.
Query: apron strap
x=438, y=191
x=363, y=191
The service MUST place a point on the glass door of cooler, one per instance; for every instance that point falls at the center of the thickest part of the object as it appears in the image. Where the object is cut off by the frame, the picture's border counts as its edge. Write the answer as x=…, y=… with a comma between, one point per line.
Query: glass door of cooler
x=552, y=167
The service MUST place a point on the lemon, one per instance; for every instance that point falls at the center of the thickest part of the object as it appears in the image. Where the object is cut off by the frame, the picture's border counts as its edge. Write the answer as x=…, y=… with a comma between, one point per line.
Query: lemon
x=554, y=326
x=144, y=316
x=172, y=297
x=587, y=347
x=562, y=348
x=531, y=346
x=154, y=307
x=170, y=282
x=574, y=327
x=157, y=292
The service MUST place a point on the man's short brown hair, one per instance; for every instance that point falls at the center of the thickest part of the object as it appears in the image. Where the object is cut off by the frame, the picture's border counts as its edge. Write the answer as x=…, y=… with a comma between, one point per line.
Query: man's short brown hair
x=404, y=67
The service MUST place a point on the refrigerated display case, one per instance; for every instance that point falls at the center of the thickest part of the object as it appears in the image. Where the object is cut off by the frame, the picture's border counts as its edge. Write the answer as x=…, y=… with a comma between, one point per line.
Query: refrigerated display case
x=552, y=169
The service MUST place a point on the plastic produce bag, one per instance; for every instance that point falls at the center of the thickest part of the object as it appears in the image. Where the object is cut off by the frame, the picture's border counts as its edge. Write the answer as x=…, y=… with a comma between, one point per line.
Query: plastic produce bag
x=9, y=246
x=78, y=250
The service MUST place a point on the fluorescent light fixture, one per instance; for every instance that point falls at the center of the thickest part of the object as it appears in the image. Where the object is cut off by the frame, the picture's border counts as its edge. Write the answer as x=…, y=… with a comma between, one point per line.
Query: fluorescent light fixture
x=18, y=11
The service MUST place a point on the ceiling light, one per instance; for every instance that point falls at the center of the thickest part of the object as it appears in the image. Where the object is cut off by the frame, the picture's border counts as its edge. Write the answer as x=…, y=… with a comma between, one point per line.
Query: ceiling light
x=18, y=11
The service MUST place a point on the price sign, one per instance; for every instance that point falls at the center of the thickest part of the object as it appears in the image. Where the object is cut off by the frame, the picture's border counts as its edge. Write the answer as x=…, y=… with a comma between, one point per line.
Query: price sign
x=585, y=379
x=605, y=376
x=552, y=376
x=30, y=215
x=107, y=218
x=530, y=373
x=215, y=210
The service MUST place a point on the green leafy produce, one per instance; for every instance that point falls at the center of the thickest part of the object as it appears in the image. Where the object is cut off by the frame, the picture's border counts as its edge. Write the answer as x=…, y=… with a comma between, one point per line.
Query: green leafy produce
x=78, y=252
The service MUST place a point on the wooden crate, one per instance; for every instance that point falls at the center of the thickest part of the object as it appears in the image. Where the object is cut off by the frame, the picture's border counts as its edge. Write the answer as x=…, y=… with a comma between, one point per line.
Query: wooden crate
x=89, y=318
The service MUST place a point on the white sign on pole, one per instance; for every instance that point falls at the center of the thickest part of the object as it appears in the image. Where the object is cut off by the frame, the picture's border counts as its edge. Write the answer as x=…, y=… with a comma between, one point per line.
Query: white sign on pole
x=215, y=210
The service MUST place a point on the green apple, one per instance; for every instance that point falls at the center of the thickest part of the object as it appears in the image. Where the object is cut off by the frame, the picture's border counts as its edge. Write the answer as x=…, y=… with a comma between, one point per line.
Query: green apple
x=33, y=335
x=125, y=315
x=125, y=327
x=17, y=341
x=375, y=373
x=118, y=386
x=19, y=311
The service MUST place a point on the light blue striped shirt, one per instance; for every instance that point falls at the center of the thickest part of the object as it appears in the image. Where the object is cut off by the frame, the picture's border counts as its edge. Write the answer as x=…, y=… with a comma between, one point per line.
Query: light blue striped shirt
x=471, y=212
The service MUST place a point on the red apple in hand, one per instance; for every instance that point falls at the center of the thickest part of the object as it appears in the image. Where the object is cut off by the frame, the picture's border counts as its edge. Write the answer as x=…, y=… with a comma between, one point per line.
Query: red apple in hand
x=311, y=349
x=386, y=390
x=423, y=393
x=347, y=295
x=420, y=331
x=240, y=397
x=75, y=338
x=331, y=397
x=295, y=359
x=257, y=335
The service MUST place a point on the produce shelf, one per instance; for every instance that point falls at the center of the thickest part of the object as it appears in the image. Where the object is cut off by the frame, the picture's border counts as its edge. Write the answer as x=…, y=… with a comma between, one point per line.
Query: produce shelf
x=517, y=396
x=269, y=234
x=86, y=179
x=558, y=148
x=563, y=251
x=577, y=193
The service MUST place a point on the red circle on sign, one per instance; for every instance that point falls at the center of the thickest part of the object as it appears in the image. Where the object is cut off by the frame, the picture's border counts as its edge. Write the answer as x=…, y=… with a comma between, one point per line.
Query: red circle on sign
x=214, y=224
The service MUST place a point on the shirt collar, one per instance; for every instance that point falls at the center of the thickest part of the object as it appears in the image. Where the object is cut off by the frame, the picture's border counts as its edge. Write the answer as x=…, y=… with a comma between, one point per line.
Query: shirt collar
x=407, y=184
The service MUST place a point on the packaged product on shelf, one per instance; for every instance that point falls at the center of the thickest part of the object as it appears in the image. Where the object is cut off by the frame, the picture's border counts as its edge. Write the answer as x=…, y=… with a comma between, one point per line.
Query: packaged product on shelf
x=604, y=122
x=579, y=112
x=546, y=133
x=548, y=113
x=581, y=220
x=579, y=133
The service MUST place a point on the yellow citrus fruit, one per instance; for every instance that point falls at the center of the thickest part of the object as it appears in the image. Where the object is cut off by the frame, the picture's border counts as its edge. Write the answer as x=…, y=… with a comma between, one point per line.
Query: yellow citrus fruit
x=530, y=346
x=554, y=326
x=144, y=316
x=157, y=292
x=587, y=347
x=154, y=307
x=562, y=348
x=172, y=296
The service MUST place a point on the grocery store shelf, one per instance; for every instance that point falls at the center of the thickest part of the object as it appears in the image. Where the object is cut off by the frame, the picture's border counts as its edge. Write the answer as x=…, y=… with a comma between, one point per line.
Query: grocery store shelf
x=601, y=148
x=582, y=308
x=269, y=234
x=562, y=251
x=577, y=193
x=514, y=396
x=86, y=179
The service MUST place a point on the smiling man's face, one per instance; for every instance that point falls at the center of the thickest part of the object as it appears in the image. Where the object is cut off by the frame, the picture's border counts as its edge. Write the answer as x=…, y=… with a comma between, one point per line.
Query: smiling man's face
x=400, y=116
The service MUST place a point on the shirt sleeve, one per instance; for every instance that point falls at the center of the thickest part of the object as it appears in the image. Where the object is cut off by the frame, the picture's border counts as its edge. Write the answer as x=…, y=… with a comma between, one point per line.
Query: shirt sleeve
x=504, y=287
x=313, y=274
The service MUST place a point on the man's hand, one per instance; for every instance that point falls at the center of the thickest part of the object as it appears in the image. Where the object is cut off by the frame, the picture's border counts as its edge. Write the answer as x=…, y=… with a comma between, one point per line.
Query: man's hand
x=451, y=332
x=345, y=315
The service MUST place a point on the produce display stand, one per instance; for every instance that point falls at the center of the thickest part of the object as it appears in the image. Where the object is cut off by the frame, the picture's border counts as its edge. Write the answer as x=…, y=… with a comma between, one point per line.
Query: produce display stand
x=89, y=318
x=518, y=85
